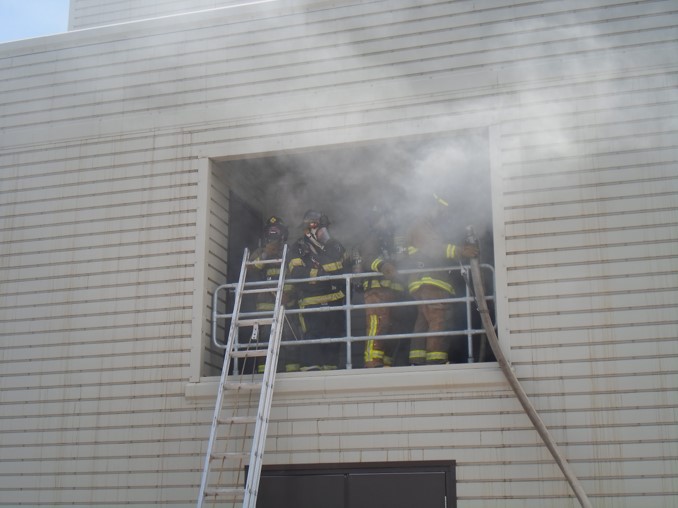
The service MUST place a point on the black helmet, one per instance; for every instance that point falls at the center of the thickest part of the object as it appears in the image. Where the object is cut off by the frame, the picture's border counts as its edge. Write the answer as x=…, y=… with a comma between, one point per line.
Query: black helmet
x=275, y=230
x=314, y=219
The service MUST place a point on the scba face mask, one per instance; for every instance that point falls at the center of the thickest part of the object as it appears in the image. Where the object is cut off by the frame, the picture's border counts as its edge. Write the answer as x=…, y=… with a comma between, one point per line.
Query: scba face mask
x=318, y=235
x=322, y=235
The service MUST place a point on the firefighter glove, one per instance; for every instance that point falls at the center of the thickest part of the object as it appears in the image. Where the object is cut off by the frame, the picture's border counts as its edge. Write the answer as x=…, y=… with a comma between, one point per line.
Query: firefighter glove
x=469, y=251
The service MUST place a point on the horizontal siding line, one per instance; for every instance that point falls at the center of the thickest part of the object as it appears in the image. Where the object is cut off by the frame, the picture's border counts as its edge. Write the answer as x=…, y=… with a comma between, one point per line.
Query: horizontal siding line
x=515, y=429
x=106, y=179
x=141, y=504
x=74, y=329
x=597, y=310
x=560, y=394
x=135, y=412
x=516, y=136
x=595, y=359
x=304, y=34
x=503, y=497
x=636, y=123
x=593, y=278
x=41, y=415
x=175, y=162
x=594, y=327
x=597, y=477
x=588, y=231
x=80, y=186
x=589, y=263
x=311, y=448
x=595, y=185
x=189, y=426
x=599, y=459
x=96, y=473
x=579, y=170
x=602, y=343
x=140, y=216
x=141, y=285
x=517, y=172
x=137, y=339
x=609, y=409
x=594, y=246
x=581, y=201
x=135, y=255
x=591, y=377
x=69, y=276
x=47, y=199
x=96, y=489
x=504, y=446
x=249, y=86
x=177, y=294
x=102, y=399
x=578, y=157
x=168, y=309
x=108, y=232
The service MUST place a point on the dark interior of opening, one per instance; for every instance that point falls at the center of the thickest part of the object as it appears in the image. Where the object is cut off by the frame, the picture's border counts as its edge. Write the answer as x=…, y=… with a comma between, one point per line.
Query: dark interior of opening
x=345, y=181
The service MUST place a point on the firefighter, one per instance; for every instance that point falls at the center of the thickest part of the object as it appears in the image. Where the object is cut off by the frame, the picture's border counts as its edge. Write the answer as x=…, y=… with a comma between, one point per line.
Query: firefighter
x=427, y=248
x=317, y=254
x=275, y=234
x=378, y=254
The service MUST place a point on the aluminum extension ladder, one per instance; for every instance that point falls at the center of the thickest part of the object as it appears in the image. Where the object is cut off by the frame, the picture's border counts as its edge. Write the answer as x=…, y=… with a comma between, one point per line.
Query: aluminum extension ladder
x=235, y=351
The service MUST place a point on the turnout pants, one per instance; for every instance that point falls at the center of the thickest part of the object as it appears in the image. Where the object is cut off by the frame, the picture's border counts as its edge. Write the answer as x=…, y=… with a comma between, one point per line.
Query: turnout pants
x=379, y=321
x=432, y=317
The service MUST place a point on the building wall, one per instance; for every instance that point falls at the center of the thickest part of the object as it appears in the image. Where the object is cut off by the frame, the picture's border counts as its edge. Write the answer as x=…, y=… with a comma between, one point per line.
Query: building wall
x=109, y=241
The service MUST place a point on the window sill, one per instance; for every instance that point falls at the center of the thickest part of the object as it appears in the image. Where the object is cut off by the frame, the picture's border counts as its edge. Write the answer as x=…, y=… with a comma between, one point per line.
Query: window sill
x=460, y=377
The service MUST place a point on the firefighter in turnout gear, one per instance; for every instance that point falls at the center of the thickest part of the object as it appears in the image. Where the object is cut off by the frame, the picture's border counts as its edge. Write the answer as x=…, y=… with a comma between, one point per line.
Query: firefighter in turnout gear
x=317, y=254
x=378, y=254
x=427, y=248
x=273, y=240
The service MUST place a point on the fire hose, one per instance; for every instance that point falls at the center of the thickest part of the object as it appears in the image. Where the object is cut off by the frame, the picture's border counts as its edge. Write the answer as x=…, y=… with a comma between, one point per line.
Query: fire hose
x=532, y=414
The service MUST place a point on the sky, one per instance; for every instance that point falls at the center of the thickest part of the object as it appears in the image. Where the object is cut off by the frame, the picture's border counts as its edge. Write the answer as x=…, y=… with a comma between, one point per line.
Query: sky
x=23, y=19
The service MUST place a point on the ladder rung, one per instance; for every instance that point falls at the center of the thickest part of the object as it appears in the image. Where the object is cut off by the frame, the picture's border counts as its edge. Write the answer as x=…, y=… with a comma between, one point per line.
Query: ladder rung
x=231, y=455
x=233, y=385
x=249, y=353
x=232, y=492
x=239, y=419
x=256, y=321
x=264, y=262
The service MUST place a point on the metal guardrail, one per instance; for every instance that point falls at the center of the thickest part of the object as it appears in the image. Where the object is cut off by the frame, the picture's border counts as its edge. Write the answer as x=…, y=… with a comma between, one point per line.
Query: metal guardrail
x=221, y=295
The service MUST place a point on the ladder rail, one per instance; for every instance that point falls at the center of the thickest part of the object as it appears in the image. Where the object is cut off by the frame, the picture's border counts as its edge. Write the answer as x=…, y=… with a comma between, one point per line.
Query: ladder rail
x=232, y=336
x=266, y=397
x=263, y=410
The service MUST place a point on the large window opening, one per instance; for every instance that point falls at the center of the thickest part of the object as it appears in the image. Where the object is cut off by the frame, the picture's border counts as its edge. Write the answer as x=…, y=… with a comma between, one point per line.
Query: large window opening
x=345, y=183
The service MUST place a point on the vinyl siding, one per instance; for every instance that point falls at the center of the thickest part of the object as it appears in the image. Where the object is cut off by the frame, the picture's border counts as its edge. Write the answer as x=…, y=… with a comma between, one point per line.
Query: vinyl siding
x=106, y=192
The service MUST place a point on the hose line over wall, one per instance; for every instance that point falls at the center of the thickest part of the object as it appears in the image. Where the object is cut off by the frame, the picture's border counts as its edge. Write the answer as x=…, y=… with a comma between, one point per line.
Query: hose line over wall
x=518, y=389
